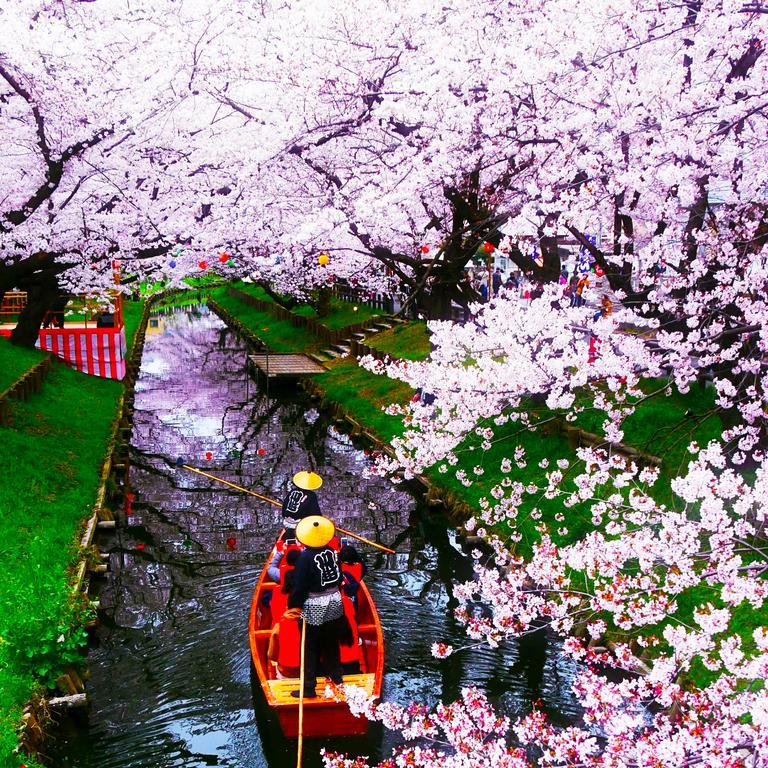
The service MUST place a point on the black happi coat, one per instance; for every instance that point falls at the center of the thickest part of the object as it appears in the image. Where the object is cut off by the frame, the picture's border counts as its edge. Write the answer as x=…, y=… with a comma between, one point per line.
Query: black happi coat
x=299, y=504
x=317, y=570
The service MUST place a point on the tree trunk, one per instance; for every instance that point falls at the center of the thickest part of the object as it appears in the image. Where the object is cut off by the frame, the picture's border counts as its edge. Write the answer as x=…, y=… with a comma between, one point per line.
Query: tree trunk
x=438, y=302
x=40, y=298
x=323, y=302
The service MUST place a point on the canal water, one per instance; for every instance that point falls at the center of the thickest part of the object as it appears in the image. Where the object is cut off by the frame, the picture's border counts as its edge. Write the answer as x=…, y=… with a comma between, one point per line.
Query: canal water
x=170, y=680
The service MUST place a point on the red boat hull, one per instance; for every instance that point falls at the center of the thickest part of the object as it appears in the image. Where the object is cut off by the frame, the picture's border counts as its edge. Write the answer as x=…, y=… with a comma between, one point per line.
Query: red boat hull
x=324, y=715
x=332, y=720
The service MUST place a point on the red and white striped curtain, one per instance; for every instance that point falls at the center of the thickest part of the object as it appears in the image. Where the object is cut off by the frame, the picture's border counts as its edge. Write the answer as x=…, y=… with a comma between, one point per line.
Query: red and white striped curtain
x=97, y=351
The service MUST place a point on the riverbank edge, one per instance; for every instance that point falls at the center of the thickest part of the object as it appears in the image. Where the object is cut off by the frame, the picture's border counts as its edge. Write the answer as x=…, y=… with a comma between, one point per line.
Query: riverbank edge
x=36, y=717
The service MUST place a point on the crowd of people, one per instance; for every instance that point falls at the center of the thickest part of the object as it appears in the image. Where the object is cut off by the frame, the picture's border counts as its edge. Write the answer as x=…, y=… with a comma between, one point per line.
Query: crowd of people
x=516, y=283
x=317, y=578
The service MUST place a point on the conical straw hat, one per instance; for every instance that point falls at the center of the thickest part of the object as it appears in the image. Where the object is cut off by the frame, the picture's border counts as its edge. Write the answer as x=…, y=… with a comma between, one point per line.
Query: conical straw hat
x=309, y=481
x=315, y=531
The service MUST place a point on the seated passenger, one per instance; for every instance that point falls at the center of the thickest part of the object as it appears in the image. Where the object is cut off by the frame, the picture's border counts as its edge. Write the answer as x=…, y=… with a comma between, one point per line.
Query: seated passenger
x=351, y=653
x=284, y=556
x=284, y=651
x=353, y=571
x=285, y=581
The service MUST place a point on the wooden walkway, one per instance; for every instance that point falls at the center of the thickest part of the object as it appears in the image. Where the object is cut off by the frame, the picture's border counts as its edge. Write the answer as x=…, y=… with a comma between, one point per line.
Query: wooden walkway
x=283, y=366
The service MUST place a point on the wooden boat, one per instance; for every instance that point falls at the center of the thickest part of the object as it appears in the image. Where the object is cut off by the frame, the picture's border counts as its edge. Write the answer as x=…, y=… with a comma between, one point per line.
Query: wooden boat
x=322, y=716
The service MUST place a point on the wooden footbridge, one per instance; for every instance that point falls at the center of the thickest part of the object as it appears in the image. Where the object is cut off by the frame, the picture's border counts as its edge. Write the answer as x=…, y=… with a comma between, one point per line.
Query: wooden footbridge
x=284, y=366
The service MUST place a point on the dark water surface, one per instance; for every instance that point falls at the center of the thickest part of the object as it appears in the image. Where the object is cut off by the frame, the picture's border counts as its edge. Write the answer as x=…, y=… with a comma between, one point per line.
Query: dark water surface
x=170, y=674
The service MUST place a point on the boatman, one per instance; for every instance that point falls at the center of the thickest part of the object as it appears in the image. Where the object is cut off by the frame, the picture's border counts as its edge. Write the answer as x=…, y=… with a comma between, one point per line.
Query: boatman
x=301, y=499
x=317, y=589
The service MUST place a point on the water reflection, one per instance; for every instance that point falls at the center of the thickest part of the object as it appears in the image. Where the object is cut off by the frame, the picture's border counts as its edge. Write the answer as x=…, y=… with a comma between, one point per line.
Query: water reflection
x=170, y=675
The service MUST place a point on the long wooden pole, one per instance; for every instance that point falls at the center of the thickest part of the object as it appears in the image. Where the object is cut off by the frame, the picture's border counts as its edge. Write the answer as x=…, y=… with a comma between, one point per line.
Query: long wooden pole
x=231, y=485
x=300, y=747
x=278, y=504
x=365, y=541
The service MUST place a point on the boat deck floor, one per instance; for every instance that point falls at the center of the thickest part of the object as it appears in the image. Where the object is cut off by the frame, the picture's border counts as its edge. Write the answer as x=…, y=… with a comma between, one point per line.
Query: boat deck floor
x=281, y=689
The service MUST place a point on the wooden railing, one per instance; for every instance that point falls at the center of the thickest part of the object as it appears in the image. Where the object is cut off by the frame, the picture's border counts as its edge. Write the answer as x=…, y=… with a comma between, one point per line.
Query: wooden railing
x=13, y=303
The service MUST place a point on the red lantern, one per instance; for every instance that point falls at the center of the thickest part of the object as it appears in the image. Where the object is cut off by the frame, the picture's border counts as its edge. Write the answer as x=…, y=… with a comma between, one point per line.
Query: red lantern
x=425, y=249
x=261, y=451
x=140, y=546
x=231, y=543
x=208, y=455
x=202, y=264
x=223, y=257
x=599, y=271
x=489, y=247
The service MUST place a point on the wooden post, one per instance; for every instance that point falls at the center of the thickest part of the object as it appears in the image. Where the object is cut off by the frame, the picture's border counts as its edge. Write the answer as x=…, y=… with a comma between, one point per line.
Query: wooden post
x=301, y=693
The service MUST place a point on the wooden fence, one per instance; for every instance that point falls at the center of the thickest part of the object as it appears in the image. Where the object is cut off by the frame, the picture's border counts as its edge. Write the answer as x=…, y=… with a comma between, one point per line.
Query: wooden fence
x=381, y=301
x=360, y=348
x=325, y=335
x=27, y=384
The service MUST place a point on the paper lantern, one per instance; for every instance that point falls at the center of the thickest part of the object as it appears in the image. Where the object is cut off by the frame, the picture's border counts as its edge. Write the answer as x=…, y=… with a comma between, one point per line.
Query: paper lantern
x=354, y=309
x=599, y=272
x=140, y=546
x=230, y=263
x=424, y=249
x=223, y=257
x=231, y=543
x=208, y=455
x=173, y=264
x=489, y=247
x=261, y=451
x=323, y=259
x=202, y=264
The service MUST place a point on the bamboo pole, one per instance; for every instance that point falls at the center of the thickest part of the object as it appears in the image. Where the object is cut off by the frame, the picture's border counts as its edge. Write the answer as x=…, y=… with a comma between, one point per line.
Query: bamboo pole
x=300, y=747
x=278, y=504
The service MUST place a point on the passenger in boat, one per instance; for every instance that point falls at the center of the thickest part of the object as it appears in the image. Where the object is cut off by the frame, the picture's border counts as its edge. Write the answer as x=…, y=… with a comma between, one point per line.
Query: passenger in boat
x=301, y=499
x=284, y=651
x=316, y=587
x=351, y=654
x=284, y=579
x=353, y=571
x=282, y=560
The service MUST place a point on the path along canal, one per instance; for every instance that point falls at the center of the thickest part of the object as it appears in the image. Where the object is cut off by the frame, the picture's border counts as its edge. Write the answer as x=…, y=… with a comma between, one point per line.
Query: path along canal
x=170, y=672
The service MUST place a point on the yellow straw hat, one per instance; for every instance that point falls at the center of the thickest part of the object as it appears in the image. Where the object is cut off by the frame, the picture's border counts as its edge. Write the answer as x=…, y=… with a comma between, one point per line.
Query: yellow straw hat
x=308, y=481
x=315, y=531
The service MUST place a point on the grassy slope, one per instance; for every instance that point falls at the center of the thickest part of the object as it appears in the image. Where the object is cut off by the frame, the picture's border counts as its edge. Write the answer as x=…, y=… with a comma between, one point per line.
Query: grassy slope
x=278, y=335
x=364, y=394
x=409, y=341
x=58, y=441
x=343, y=313
x=14, y=361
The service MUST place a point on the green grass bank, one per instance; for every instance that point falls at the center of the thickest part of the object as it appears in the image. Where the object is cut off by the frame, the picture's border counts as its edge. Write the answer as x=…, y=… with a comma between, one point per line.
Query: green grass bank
x=58, y=440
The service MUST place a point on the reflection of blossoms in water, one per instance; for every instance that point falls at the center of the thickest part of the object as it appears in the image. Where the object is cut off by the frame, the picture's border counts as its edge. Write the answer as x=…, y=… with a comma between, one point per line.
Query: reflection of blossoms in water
x=311, y=416
x=339, y=437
